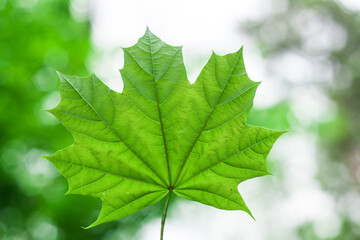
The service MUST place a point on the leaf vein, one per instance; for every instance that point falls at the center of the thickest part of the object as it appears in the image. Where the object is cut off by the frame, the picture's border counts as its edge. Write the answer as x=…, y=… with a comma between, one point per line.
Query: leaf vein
x=114, y=174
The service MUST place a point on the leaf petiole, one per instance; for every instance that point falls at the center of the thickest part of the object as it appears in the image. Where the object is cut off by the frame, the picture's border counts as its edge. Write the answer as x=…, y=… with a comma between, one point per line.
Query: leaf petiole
x=164, y=213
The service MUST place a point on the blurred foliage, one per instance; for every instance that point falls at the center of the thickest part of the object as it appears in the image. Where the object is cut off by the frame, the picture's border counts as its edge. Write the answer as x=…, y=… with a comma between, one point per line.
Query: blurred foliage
x=37, y=38
x=276, y=117
x=324, y=33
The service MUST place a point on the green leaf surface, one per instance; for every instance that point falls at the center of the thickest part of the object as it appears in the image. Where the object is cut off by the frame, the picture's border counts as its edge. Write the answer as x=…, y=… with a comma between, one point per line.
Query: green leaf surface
x=162, y=133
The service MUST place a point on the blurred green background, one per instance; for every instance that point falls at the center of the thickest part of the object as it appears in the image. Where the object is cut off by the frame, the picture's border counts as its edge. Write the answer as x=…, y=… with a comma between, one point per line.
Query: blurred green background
x=38, y=37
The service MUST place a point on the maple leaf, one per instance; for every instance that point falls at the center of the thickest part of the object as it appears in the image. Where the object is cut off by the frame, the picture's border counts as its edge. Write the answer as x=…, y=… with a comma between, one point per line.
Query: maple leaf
x=162, y=134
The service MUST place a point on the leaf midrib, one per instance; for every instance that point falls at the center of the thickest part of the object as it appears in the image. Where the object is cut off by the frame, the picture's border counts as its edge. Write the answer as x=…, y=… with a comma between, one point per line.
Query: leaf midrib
x=159, y=111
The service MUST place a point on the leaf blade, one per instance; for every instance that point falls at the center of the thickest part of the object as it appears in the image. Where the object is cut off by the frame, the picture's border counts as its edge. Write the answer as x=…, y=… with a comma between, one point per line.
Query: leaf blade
x=162, y=133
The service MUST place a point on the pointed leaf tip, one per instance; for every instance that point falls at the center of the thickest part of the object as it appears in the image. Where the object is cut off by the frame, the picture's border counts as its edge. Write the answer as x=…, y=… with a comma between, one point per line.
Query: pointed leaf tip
x=94, y=224
x=147, y=31
x=60, y=74
x=45, y=157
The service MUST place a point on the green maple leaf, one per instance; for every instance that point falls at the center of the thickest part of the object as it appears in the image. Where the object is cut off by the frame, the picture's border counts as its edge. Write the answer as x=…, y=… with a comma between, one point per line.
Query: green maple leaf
x=162, y=134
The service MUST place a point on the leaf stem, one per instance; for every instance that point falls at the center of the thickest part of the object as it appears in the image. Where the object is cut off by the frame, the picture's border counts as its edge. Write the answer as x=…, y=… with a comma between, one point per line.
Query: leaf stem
x=164, y=213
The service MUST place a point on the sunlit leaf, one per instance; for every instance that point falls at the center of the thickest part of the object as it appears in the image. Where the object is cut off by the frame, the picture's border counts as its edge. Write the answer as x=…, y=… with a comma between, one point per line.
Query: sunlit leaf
x=162, y=134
